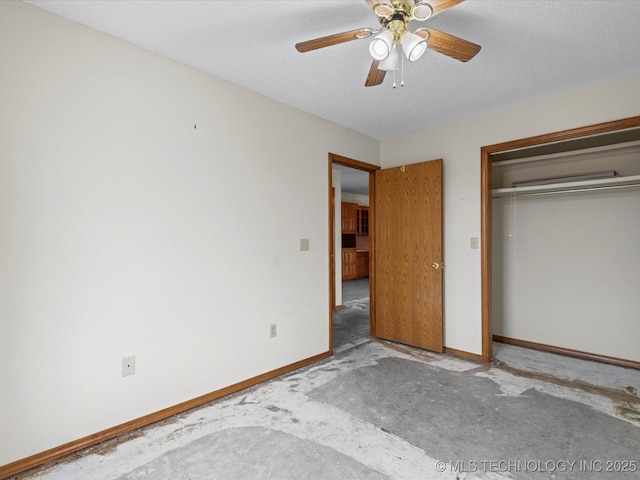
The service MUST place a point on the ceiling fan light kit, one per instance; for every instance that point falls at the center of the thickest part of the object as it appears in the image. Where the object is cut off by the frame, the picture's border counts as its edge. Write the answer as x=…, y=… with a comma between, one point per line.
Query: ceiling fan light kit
x=413, y=46
x=390, y=64
x=394, y=17
x=381, y=45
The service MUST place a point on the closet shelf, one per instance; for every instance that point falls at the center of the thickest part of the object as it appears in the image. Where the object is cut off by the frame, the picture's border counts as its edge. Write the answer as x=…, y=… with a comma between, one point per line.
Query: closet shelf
x=604, y=183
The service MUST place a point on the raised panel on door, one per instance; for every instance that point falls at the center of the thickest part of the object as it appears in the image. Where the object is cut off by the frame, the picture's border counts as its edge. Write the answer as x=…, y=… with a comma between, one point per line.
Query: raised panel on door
x=408, y=255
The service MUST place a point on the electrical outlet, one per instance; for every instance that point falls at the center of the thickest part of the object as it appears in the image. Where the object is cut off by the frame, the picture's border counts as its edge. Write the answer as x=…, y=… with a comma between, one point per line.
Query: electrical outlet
x=474, y=243
x=273, y=330
x=128, y=366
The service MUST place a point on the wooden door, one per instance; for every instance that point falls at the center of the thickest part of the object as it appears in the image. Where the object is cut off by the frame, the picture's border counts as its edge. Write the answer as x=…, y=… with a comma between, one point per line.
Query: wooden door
x=407, y=263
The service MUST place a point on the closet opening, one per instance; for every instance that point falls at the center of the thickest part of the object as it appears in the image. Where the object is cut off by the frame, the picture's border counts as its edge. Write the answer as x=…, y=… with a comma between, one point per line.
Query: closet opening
x=560, y=236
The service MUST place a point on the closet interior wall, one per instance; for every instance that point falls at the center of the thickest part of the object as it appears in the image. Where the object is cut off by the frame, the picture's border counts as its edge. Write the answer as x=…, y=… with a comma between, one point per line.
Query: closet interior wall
x=566, y=264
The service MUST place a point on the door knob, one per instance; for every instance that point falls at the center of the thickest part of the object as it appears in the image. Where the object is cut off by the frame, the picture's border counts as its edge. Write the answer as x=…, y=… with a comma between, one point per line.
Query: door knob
x=435, y=266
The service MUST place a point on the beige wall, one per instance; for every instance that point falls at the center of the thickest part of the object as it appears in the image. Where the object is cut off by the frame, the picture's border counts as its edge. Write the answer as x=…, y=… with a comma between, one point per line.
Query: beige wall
x=459, y=144
x=126, y=231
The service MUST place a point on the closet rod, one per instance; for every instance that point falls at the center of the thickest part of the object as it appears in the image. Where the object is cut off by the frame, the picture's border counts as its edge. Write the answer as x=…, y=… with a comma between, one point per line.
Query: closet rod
x=574, y=190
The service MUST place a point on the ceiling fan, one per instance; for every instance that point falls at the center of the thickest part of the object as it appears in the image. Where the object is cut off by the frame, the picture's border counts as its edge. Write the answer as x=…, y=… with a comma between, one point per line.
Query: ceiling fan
x=394, y=17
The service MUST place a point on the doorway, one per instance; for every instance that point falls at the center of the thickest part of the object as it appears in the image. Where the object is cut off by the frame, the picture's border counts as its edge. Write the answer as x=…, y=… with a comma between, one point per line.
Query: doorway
x=351, y=246
x=405, y=251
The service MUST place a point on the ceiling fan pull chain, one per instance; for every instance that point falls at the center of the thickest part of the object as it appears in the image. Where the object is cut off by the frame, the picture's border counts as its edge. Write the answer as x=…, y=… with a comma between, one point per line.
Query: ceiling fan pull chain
x=402, y=71
x=394, y=79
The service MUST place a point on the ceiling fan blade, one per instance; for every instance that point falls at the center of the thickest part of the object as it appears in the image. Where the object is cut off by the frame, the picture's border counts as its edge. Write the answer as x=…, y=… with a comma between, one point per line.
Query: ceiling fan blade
x=449, y=45
x=382, y=8
x=375, y=76
x=440, y=6
x=333, y=39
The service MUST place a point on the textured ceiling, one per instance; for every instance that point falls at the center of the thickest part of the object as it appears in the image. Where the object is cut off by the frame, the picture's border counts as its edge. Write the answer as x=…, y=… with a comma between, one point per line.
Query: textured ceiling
x=529, y=49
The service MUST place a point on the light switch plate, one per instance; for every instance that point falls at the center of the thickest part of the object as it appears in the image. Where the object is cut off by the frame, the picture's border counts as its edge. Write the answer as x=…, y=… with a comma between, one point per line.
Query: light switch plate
x=474, y=243
x=304, y=244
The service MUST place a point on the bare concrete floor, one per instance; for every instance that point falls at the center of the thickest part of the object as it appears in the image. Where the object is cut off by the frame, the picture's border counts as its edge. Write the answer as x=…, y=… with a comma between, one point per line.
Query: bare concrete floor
x=381, y=410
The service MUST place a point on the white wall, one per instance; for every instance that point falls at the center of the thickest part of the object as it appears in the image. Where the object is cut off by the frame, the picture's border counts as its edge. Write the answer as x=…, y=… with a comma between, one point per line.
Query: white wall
x=355, y=198
x=336, y=178
x=458, y=144
x=125, y=231
x=567, y=271
x=566, y=266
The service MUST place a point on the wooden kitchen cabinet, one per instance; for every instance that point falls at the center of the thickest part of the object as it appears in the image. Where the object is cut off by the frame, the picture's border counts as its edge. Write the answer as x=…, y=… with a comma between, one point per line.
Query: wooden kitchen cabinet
x=362, y=220
x=349, y=264
x=362, y=268
x=355, y=231
x=349, y=217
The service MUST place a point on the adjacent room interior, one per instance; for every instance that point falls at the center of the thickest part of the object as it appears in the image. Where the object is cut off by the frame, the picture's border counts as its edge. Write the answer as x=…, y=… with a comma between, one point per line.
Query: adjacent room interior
x=351, y=313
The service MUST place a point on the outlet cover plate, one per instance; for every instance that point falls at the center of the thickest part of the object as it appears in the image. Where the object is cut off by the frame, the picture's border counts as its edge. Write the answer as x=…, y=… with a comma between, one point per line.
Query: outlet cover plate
x=128, y=366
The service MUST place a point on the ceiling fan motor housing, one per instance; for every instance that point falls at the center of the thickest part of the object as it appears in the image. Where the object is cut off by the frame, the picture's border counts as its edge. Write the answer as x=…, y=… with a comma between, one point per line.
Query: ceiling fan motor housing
x=405, y=6
x=397, y=24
